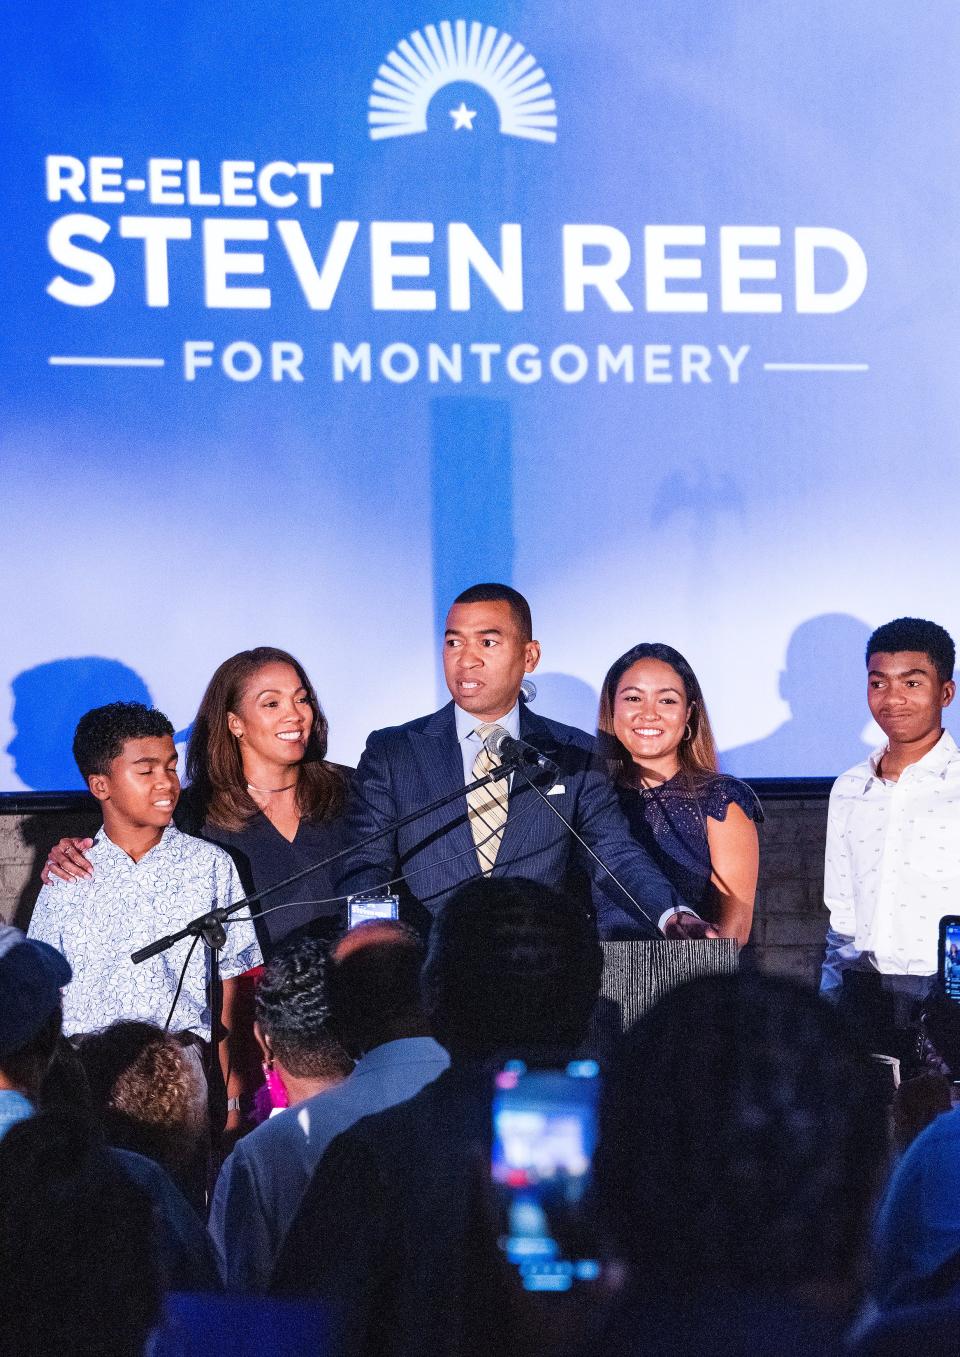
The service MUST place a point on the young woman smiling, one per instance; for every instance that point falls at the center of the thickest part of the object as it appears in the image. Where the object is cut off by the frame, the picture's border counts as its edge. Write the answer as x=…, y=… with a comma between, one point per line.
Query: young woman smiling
x=698, y=825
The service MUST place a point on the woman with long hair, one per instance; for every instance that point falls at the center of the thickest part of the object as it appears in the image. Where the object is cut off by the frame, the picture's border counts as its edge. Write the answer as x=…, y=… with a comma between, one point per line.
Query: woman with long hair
x=261, y=786
x=698, y=824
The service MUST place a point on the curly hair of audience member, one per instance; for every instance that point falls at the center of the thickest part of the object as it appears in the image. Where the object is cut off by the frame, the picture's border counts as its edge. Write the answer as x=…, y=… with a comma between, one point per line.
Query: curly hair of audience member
x=147, y=1090
x=293, y=1013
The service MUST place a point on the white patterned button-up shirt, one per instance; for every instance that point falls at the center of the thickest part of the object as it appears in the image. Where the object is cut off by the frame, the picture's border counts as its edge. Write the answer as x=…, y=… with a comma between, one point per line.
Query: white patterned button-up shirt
x=892, y=866
x=97, y=922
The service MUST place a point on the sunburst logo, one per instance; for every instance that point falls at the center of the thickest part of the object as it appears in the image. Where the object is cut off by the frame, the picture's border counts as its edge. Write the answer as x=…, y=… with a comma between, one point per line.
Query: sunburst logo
x=441, y=55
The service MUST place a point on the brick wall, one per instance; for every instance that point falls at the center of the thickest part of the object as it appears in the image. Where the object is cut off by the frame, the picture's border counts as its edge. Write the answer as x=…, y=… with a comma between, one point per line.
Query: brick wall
x=790, y=920
x=788, y=929
x=25, y=840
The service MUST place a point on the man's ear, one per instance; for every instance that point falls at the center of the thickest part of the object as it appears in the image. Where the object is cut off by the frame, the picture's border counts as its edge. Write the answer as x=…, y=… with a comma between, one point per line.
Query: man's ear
x=99, y=785
x=949, y=692
x=263, y=1041
x=531, y=656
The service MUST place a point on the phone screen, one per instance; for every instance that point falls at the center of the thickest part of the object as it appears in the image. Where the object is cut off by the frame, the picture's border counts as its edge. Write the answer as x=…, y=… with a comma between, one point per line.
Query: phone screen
x=950, y=956
x=544, y=1138
x=362, y=908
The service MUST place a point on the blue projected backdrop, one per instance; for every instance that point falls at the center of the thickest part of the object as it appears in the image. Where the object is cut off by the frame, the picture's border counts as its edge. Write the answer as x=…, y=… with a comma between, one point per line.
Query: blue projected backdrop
x=320, y=312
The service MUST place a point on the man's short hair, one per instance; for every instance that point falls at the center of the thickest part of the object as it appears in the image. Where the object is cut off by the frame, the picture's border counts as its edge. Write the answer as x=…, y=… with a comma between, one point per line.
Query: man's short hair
x=293, y=1011
x=102, y=733
x=374, y=987
x=916, y=633
x=512, y=965
x=502, y=593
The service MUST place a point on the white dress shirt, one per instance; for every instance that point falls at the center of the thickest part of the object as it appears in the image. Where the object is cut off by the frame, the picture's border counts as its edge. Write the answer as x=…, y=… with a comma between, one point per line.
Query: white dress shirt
x=98, y=921
x=892, y=867
x=470, y=742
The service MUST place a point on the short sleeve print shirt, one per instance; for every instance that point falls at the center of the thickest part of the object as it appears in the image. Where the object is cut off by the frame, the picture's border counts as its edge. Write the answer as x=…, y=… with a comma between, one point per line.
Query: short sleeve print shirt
x=98, y=922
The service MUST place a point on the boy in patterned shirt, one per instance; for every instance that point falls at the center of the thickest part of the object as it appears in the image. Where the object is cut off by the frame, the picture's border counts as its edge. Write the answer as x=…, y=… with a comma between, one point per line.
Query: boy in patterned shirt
x=150, y=880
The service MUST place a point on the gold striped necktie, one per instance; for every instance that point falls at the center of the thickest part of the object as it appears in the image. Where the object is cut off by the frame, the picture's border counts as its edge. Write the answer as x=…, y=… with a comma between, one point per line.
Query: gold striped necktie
x=487, y=806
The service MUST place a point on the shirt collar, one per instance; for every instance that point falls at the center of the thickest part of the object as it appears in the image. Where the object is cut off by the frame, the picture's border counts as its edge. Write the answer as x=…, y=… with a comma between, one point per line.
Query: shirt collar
x=934, y=763
x=402, y=1051
x=467, y=724
x=104, y=841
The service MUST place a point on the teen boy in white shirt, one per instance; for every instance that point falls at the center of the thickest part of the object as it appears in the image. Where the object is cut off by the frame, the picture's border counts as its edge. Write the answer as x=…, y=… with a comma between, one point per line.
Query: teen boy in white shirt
x=892, y=867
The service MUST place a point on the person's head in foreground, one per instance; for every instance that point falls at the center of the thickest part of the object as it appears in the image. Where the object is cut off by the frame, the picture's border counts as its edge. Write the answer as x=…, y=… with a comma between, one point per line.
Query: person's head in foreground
x=513, y=967
x=301, y=1054
x=742, y=1145
x=32, y=975
x=374, y=985
x=79, y=1275
x=148, y=1093
x=910, y=664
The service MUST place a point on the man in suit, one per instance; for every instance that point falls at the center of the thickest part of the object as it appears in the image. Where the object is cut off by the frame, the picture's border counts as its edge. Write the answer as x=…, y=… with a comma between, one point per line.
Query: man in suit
x=506, y=830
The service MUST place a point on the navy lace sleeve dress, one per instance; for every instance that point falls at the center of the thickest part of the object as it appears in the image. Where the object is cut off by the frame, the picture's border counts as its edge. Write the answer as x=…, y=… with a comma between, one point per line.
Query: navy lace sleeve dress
x=670, y=822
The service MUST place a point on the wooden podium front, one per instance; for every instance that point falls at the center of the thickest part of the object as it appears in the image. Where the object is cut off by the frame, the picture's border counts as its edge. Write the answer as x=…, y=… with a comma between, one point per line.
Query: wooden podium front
x=637, y=974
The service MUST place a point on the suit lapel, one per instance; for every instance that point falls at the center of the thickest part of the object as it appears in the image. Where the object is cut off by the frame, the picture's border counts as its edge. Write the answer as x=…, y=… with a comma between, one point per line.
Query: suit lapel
x=437, y=752
x=525, y=818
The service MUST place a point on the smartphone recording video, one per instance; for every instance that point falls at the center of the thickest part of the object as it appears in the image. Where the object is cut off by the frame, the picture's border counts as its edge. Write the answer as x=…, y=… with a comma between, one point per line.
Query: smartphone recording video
x=544, y=1138
x=362, y=908
x=949, y=956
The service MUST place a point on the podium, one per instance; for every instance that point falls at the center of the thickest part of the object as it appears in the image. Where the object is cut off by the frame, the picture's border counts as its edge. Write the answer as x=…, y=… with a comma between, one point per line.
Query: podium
x=637, y=973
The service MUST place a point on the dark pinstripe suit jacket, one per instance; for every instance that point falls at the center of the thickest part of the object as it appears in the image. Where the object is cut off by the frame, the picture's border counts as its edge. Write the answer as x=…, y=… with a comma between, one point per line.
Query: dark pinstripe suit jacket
x=406, y=767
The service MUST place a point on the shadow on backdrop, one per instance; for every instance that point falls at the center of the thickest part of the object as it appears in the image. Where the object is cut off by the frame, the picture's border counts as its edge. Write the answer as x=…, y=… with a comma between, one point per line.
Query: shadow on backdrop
x=825, y=685
x=49, y=701
x=701, y=494
x=565, y=698
x=471, y=489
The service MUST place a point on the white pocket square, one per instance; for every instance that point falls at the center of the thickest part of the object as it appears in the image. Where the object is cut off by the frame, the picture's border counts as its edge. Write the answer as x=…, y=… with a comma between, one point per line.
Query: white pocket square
x=558, y=790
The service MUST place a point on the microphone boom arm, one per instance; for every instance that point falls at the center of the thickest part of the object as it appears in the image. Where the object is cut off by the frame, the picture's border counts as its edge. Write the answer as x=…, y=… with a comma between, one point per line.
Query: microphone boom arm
x=206, y=925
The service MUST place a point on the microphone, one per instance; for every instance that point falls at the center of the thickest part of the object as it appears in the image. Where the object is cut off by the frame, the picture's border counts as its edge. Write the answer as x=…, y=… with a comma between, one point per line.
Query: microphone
x=501, y=744
x=528, y=691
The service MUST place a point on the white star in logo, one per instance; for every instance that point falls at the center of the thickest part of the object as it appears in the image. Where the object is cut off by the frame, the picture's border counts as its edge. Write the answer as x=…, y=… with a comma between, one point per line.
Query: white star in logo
x=463, y=117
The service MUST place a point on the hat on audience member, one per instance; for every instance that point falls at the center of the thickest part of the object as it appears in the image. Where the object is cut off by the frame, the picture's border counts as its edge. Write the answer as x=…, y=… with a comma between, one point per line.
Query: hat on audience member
x=31, y=976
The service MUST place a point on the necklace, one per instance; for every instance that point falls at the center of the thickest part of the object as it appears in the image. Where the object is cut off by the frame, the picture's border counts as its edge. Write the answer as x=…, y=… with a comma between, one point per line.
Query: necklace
x=269, y=791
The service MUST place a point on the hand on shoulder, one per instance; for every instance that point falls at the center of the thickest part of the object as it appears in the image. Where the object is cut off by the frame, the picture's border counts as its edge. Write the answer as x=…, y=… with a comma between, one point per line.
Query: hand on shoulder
x=67, y=861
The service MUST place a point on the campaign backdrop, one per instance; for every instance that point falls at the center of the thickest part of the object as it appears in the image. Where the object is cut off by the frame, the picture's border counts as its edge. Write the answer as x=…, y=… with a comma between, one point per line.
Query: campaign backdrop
x=316, y=313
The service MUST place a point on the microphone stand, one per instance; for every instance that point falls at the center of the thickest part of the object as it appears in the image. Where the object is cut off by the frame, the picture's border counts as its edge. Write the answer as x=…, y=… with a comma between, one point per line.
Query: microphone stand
x=209, y=927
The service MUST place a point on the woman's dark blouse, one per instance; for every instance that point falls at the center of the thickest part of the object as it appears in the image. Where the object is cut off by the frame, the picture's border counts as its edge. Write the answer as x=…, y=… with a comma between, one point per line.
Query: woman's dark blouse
x=670, y=822
x=263, y=857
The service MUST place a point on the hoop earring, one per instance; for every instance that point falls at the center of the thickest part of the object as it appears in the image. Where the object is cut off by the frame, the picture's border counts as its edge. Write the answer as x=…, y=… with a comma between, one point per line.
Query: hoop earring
x=688, y=733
